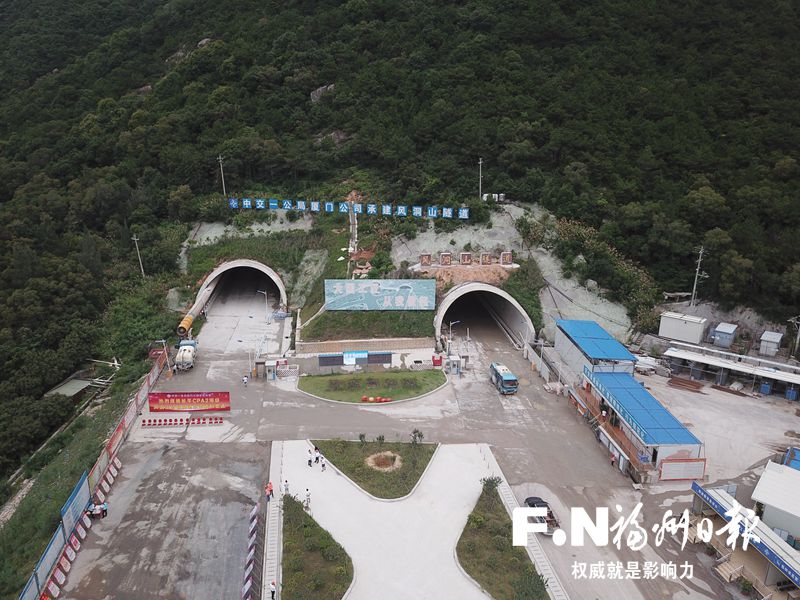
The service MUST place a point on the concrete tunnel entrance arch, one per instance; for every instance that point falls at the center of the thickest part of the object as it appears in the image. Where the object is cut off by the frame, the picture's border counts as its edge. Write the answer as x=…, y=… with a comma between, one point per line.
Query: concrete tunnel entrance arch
x=209, y=285
x=500, y=305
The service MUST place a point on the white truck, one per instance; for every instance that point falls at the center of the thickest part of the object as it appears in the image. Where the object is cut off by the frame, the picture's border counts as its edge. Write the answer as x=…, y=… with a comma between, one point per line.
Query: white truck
x=187, y=350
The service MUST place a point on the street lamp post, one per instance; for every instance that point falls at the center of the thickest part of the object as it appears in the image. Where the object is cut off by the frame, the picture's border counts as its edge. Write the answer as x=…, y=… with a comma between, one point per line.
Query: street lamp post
x=450, y=336
x=266, y=304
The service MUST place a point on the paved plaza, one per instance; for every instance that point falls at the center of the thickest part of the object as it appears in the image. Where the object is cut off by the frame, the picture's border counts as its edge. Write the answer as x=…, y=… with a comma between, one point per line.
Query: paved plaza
x=397, y=545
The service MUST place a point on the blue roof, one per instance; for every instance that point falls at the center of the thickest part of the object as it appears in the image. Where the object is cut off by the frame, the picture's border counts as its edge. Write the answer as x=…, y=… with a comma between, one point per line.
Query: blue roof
x=792, y=458
x=594, y=341
x=653, y=423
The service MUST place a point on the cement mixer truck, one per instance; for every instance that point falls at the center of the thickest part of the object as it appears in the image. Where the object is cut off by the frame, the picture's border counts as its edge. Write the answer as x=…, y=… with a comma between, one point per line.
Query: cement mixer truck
x=187, y=350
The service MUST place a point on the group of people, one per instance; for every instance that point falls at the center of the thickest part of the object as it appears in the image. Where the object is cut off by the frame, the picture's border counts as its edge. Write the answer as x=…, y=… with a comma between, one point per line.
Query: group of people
x=316, y=457
x=97, y=510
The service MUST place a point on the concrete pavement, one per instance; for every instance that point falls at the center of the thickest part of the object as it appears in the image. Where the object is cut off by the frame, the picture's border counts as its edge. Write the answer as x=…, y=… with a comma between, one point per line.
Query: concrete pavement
x=400, y=548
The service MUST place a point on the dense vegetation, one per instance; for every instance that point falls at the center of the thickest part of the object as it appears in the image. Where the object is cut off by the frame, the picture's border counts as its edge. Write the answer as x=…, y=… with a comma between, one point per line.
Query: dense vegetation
x=315, y=566
x=662, y=126
x=485, y=551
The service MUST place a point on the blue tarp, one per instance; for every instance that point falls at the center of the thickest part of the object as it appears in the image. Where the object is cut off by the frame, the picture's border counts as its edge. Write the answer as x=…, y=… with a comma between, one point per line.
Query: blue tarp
x=653, y=423
x=594, y=341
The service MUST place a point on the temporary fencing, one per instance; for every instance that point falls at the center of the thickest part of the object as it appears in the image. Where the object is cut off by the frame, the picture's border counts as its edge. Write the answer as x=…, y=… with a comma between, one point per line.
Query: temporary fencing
x=51, y=571
x=251, y=588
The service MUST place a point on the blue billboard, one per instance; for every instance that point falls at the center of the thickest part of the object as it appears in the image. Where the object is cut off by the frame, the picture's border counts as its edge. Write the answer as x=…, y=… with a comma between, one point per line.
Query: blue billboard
x=380, y=294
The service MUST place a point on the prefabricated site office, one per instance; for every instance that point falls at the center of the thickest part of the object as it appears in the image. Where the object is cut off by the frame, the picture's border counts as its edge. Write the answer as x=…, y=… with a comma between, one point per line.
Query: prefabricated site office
x=637, y=428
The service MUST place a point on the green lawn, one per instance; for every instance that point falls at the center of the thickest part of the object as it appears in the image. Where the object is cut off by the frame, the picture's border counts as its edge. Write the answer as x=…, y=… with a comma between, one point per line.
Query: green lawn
x=349, y=457
x=396, y=385
x=486, y=553
x=314, y=564
x=345, y=324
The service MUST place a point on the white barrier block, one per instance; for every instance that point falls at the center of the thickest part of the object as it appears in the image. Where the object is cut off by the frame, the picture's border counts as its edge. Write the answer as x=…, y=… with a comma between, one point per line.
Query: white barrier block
x=70, y=553
x=254, y=512
x=113, y=470
x=100, y=495
x=64, y=563
x=81, y=531
x=117, y=463
x=53, y=589
x=248, y=570
x=246, y=588
x=252, y=541
x=105, y=486
x=251, y=554
x=87, y=522
x=253, y=526
x=59, y=576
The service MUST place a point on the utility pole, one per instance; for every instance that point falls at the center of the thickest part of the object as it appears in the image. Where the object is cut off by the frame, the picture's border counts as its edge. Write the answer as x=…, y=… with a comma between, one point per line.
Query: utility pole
x=135, y=239
x=480, y=179
x=222, y=174
x=697, y=276
x=796, y=322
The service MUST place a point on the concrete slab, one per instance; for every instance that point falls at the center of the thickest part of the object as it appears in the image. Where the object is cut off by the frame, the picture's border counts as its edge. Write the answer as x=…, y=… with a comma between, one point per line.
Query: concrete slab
x=414, y=536
x=177, y=523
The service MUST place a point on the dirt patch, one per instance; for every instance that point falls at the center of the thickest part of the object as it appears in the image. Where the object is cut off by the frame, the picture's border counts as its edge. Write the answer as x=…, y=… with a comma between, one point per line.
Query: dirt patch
x=447, y=277
x=384, y=461
x=792, y=434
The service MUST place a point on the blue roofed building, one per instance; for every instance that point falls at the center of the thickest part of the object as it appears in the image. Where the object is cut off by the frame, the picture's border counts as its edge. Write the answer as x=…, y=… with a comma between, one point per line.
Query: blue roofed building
x=643, y=438
x=585, y=344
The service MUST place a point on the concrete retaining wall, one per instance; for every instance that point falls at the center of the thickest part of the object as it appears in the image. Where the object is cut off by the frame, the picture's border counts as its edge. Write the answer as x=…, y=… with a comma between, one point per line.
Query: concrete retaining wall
x=372, y=345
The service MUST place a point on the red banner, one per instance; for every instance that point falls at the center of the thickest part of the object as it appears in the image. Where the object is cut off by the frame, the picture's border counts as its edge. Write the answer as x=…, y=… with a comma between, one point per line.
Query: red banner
x=188, y=401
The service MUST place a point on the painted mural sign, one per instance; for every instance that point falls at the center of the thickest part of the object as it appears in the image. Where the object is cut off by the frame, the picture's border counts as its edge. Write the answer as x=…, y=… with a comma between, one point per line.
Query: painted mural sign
x=380, y=294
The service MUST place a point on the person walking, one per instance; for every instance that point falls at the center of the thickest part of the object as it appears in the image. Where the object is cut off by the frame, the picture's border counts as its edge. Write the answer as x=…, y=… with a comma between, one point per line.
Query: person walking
x=286, y=488
x=316, y=455
x=269, y=491
x=104, y=508
x=310, y=457
x=322, y=463
x=307, y=503
x=244, y=380
x=272, y=589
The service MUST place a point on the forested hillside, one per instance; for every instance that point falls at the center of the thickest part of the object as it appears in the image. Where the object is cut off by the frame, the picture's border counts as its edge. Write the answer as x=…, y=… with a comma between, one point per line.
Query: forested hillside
x=663, y=125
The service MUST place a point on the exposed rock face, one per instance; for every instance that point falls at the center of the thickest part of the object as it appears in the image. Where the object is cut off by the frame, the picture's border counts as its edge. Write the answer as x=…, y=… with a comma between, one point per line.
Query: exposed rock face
x=337, y=136
x=203, y=42
x=145, y=89
x=317, y=93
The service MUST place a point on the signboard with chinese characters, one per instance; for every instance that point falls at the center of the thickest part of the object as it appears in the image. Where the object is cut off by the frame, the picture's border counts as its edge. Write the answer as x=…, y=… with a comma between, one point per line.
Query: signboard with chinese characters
x=486, y=258
x=445, y=259
x=425, y=260
x=506, y=258
x=466, y=258
x=188, y=401
x=380, y=294
x=371, y=208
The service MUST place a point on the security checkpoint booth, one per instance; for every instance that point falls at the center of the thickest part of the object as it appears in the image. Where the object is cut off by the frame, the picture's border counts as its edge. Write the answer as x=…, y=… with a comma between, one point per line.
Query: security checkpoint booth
x=648, y=442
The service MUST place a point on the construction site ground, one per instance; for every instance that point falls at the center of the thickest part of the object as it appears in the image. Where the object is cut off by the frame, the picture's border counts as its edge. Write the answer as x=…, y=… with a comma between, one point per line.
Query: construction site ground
x=178, y=513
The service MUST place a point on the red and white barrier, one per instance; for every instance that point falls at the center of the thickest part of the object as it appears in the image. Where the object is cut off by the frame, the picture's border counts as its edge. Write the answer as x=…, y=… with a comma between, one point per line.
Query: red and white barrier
x=182, y=422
